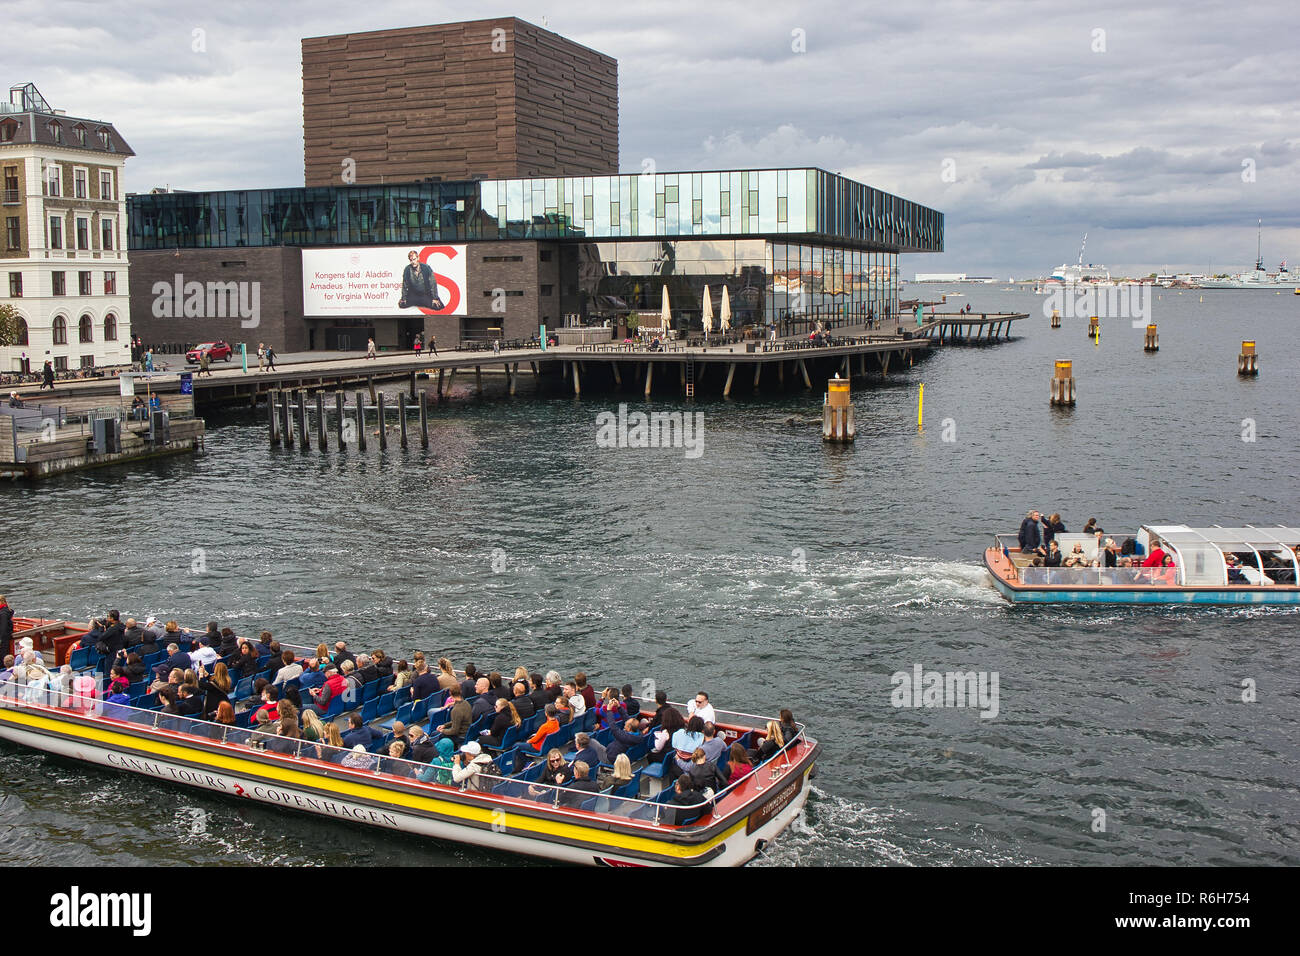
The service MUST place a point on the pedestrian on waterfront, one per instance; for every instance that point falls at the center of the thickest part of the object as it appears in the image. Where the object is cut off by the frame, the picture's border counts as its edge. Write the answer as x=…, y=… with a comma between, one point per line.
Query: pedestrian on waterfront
x=148, y=360
x=47, y=376
x=205, y=363
x=496, y=346
x=370, y=348
x=270, y=358
x=433, y=343
x=261, y=356
x=419, y=344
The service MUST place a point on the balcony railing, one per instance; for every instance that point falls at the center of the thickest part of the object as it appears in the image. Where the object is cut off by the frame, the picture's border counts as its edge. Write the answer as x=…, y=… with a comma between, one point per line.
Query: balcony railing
x=12, y=197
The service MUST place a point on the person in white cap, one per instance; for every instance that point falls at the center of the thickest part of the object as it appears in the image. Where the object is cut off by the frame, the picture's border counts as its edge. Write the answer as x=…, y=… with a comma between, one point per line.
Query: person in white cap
x=470, y=761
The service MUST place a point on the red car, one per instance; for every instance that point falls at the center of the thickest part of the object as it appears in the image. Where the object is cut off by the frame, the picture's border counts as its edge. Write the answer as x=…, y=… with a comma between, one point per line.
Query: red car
x=216, y=352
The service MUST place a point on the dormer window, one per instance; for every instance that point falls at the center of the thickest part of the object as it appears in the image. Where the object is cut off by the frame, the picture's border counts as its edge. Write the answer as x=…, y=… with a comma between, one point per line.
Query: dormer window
x=56, y=130
x=103, y=137
x=79, y=131
x=8, y=129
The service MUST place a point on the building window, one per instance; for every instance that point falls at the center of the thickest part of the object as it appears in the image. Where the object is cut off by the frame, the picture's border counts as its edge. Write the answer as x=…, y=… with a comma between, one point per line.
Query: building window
x=83, y=283
x=488, y=293
x=79, y=131
x=103, y=136
x=13, y=233
x=548, y=290
x=56, y=232
x=80, y=189
x=22, y=333
x=11, y=185
x=83, y=233
x=61, y=361
x=85, y=329
x=110, y=328
x=15, y=285
x=88, y=361
x=58, y=283
x=503, y=258
x=8, y=130
x=60, y=330
x=110, y=283
x=105, y=184
x=53, y=180
x=106, y=225
x=56, y=130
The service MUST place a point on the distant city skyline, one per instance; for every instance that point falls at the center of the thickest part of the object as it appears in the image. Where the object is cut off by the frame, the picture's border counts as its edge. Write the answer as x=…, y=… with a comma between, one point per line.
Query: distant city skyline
x=1163, y=132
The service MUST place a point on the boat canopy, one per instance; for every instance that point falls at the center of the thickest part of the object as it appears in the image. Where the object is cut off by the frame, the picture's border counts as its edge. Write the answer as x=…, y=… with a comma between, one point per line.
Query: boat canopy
x=1200, y=552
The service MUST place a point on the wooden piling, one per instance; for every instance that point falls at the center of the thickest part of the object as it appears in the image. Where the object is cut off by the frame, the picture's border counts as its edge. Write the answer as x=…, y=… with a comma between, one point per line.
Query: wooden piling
x=440, y=371
x=424, y=419
x=401, y=414
x=338, y=407
x=285, y=425
x=1056, y=318
x=1246, y=361
x=1063, y=384
x=1152, y=341
x=478, y=377
x=272, y=431
x=649, y=377
x=731, y=372
x=412, y=385
x=370, y=386
x=304, y=437
x=361, y=421
x=577, y=381
x=320, y=422
x=383, y=424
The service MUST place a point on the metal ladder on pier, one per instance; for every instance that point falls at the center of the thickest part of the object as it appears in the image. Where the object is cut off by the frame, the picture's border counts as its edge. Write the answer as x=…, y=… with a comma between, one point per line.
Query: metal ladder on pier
x=690, y=379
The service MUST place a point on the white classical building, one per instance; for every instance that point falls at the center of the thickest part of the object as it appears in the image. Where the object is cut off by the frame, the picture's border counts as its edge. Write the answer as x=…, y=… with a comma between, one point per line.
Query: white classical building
x=64, y=255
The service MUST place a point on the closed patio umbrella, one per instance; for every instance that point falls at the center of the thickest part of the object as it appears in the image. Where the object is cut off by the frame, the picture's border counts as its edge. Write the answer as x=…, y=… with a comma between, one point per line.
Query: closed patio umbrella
x=665, y=314
x=726, y=311
x=708, y=313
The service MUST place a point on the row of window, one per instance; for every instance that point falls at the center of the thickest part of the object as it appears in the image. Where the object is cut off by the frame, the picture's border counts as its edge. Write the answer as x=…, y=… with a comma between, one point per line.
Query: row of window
x=107, y=230
x=59, y=328
x=59, y=284
x=54, y=182
x=78, y=133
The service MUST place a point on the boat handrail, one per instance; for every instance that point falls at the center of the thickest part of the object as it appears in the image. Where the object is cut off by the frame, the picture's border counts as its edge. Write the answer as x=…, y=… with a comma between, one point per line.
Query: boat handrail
x=64, y=697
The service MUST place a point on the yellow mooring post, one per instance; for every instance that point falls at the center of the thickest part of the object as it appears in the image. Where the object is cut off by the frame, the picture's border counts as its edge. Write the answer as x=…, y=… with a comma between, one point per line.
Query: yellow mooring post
x=1063, y=384
x=1152, y=342
x=1056, y=318
x=1246, y=360
x=920, y=408
x=837, y=413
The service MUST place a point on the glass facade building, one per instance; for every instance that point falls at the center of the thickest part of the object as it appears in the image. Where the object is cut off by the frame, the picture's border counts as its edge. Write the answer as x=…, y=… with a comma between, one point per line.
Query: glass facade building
x=790, y=245
x=752, y=202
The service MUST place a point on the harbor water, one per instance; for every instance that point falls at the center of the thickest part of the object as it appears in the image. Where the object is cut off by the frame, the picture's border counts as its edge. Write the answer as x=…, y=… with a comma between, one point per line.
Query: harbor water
x=770, y=570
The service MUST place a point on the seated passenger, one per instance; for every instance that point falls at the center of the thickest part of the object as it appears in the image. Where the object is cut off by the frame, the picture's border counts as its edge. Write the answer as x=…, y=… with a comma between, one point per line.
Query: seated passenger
x=631, y=704
x=789, y=729
x=589, y=750
x=439, y=769
x=700, y=706
x=739, y=766
x=1156, y=559
x=396, y=765
x=522, y=702
x=625, y=738
x=554, y=774
x=549, y=726
x=622, y=772
x=687, y=799
x=359, y=732
x=287, y=738
x=714, y=745
x=470, y=761
x=422, y=747
x=609, y=709
x=1053, y=559
x=1076, y=557
x=506, y=717
x=358, y=759
x=685, y=742
x=770, y=744
x=459, y=720
x=580, y=788
x=331, y=746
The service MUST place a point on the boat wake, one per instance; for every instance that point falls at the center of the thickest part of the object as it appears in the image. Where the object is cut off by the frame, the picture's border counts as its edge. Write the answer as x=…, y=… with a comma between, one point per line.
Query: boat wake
x=834, y=831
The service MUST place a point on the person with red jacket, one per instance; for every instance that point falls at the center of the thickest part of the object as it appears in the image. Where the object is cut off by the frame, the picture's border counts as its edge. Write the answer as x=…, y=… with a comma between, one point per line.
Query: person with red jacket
x=549, y=726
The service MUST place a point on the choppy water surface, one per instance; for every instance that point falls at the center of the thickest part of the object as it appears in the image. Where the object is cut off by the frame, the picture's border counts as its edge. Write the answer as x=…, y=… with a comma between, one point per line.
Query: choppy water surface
x=772, y=571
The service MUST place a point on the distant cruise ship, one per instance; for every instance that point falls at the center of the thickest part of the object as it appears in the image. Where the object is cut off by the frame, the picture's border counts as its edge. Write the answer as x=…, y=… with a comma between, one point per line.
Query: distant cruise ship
x=1079, y=273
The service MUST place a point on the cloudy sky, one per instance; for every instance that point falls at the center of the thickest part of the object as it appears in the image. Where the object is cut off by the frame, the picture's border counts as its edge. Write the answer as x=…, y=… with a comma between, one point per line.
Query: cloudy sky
x=1163, y=130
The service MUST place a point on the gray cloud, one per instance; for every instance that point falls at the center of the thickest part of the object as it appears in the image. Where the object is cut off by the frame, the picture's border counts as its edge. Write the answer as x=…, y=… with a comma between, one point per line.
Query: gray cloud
x=1141, y=144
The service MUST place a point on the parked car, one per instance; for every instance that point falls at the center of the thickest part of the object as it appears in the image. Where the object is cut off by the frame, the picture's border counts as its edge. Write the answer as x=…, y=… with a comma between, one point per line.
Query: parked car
x=217, y=352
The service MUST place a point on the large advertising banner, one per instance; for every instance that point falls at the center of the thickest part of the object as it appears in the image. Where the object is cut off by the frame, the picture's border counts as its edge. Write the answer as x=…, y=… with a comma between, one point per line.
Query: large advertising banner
x=387, y=280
